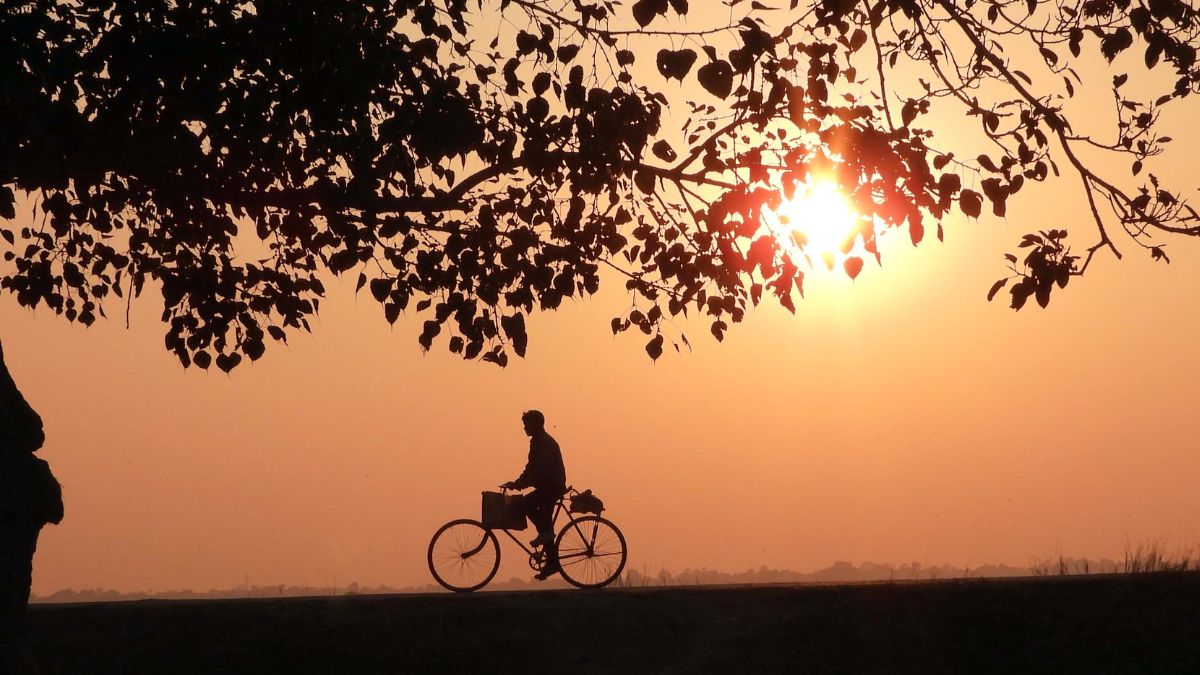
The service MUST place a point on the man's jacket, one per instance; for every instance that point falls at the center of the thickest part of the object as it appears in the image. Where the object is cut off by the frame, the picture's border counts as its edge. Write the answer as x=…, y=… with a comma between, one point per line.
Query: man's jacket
x=545, y=469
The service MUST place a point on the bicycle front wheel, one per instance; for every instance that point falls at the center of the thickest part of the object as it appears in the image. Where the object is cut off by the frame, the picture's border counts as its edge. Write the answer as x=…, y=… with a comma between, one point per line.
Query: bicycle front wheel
x=464, y=555
x=591, y=551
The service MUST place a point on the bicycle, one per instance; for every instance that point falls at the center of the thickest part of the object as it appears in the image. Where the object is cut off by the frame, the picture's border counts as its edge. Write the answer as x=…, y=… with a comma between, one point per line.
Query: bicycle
x=464, y=554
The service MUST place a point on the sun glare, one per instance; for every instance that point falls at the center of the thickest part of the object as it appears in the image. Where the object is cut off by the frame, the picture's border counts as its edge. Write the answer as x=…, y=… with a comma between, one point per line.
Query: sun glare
x=819, y=221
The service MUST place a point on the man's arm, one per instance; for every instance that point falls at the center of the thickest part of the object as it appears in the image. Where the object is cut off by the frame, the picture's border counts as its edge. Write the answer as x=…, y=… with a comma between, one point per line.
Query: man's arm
x=523, y=481
x=531, y=470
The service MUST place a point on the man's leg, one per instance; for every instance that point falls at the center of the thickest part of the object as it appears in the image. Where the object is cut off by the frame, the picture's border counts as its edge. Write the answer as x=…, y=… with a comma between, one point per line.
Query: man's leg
x=539, y=506
x=545, y=501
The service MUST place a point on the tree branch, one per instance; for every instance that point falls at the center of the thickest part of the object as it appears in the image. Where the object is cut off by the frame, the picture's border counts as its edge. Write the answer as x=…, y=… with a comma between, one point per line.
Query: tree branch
x=1056, y=123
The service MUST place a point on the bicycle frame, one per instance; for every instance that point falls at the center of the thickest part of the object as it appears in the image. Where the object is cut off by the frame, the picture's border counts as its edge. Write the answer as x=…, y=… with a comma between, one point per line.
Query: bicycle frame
x=559, y=507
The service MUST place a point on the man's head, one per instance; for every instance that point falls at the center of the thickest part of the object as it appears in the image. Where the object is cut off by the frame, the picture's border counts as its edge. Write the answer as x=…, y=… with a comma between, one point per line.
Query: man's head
x=534, y=421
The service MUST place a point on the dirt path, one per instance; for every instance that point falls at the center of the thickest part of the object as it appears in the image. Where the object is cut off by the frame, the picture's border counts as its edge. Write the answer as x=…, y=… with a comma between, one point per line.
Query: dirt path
x=1102, y=624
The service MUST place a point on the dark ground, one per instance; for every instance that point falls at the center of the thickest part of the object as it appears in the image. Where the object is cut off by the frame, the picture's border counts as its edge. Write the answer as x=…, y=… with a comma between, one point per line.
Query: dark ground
x=1094, y=625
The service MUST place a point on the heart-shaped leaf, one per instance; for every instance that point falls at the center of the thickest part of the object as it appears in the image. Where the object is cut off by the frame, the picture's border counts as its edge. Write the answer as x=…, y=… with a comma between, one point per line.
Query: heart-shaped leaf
x=664, y=151
x=675, y=63
x=644, y=11
x=853, y=265
x=717, y=78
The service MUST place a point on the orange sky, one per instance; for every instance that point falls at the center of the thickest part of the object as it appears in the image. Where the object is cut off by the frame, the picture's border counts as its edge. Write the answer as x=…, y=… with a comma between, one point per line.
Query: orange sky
x=897, y=418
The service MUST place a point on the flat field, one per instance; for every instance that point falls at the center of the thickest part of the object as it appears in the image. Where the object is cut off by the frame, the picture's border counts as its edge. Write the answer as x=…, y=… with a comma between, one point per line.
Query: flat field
x=1094, y=625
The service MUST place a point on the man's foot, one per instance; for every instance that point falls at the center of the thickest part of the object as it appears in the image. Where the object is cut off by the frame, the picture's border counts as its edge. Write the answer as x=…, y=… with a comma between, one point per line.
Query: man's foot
x=543, y=539
x=548, y=571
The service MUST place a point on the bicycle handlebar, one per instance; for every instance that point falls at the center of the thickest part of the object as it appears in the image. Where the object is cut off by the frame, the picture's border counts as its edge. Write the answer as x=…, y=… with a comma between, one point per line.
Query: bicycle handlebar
x=570, y=490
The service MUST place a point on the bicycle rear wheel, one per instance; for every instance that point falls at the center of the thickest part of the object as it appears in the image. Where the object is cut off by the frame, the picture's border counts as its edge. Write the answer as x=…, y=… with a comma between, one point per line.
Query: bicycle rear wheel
x=463, y=555
x=591, y=551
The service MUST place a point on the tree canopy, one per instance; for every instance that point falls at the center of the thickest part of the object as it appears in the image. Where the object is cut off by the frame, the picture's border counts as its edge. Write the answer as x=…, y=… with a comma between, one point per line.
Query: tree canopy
x=475, y=161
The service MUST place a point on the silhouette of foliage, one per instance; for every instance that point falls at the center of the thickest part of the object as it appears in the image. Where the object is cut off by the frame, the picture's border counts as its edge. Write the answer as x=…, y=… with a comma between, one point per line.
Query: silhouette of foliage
x=476, y=161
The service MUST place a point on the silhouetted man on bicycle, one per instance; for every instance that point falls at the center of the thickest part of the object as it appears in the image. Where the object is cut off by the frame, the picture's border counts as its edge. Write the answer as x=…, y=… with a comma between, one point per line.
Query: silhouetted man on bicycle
x=545, y=473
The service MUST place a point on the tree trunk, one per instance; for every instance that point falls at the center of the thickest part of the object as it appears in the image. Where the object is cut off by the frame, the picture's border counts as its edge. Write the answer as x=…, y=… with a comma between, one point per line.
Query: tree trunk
x=21, y=504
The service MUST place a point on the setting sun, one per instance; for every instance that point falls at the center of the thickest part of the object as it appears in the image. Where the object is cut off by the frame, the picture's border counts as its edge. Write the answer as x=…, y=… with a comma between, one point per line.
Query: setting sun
x=819, y=220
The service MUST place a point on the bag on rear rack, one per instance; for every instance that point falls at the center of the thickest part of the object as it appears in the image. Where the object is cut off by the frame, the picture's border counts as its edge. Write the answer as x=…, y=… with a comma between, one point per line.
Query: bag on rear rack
x=502, y=511
x=586, y=502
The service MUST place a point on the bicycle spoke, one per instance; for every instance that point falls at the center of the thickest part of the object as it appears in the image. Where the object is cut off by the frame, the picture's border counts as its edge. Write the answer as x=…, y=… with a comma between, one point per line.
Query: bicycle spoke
x=591, y=552
x=463, y=555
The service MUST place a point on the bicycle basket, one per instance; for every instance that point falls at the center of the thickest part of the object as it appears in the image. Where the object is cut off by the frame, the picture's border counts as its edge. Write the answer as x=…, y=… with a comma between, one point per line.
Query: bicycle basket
x=586, y=502
x=502, y=511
